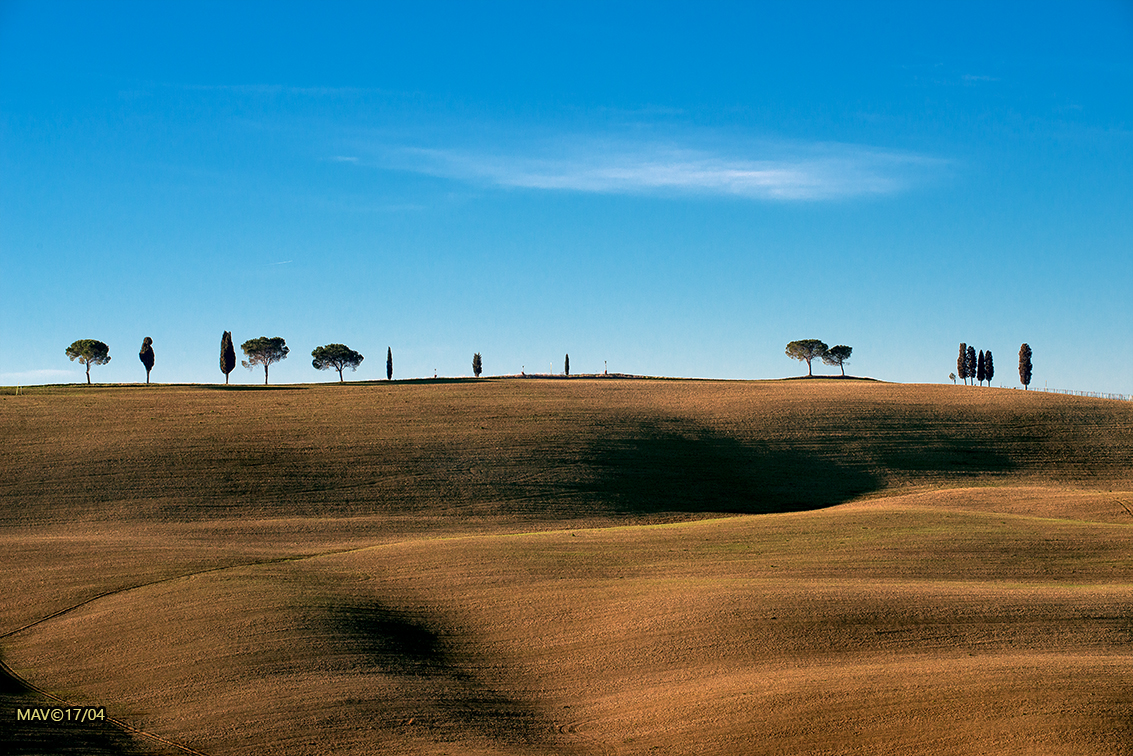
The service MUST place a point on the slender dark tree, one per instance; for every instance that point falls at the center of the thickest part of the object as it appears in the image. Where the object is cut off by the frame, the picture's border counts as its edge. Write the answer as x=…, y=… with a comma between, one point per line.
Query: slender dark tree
x=477, y=365
x=89, y=352
x=146, y=355
x=264, y=351
x=989, y=367
x=839, y=356
x=962, y=363
x=566, y=365
x=389, y=363
x=1025, y=365
x=980, y=374
x=970, y=364
x=227, y=355
x=335, y=356
x=805, y=351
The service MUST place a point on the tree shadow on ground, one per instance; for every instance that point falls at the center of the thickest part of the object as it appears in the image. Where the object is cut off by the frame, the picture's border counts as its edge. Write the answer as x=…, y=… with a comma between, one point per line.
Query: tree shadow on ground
x=936, y=457
x=680, y=467
x=440, y=683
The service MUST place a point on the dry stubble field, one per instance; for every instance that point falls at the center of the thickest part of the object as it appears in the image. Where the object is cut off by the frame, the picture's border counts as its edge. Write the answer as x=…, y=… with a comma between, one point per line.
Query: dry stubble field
x=568, y=567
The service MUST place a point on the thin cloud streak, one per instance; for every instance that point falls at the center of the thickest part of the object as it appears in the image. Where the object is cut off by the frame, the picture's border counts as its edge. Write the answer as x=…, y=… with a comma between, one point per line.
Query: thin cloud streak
x=816, y=172
x=28, y=377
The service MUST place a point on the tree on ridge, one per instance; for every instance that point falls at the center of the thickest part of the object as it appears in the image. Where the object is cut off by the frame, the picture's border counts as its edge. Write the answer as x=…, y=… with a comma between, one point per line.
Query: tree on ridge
x=227, y=355
x=980, y=370
x=89, y=352
x=838, y=356
x=806, y=350
x=389, y=363
x=477, y=365
x=962, y=363
x=566, y=365
x=264, y=351
x=336, y=356
x=1025, y=365
x=989, y=367
x=970, y=363
x=146, y=355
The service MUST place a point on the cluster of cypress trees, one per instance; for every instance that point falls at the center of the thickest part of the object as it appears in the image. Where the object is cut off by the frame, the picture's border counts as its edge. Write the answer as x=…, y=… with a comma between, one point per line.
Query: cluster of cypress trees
x=978, y=367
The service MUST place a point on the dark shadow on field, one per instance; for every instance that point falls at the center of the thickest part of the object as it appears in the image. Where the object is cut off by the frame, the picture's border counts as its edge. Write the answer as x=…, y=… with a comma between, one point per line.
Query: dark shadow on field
x=956, y=457
x=686, y=468
x=434, y=681
x=24, y=738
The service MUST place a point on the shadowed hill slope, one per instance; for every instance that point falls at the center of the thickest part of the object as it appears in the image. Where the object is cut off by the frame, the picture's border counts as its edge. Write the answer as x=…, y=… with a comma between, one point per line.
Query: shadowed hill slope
x=533, y=567
x=536, y=449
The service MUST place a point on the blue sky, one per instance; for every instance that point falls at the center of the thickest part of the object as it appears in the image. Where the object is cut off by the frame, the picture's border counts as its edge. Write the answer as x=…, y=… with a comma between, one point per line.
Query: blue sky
x=670, y=188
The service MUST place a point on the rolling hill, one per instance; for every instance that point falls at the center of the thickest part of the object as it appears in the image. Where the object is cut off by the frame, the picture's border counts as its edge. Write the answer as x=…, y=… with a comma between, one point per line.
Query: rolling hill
x=582, y=566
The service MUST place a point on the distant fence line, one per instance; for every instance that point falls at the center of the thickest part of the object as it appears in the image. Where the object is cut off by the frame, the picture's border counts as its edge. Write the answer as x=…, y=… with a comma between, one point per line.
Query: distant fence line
x=1094, y=394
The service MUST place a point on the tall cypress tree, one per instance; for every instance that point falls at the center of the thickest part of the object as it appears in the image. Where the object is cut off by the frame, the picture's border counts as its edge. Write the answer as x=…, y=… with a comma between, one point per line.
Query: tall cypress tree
x=962, y=363
x=980, y=374
x=970, y=363
x=989, y=367
x=389, y=363
x=227, y=355
x=146, y=355
x=1025, y=365
x=566, y=365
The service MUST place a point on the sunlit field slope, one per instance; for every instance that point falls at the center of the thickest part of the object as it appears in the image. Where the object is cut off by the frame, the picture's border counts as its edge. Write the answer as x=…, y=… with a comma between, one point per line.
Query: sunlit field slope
x=569, y=567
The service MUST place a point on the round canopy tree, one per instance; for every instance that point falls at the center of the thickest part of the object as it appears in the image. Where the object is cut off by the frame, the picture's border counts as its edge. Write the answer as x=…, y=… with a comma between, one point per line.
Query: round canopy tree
x=89, y=352
x=336, y=356
x=838, y=356
x=264, y=351
x=146, y=355
x=805, y=351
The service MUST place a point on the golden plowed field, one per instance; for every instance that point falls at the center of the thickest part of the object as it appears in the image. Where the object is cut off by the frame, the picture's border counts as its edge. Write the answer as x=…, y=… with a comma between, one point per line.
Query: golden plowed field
x=567, y=567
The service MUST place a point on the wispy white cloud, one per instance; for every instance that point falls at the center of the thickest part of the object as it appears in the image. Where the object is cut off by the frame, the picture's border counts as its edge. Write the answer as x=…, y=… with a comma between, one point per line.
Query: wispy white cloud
x=30, y=377
x=767, y=171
